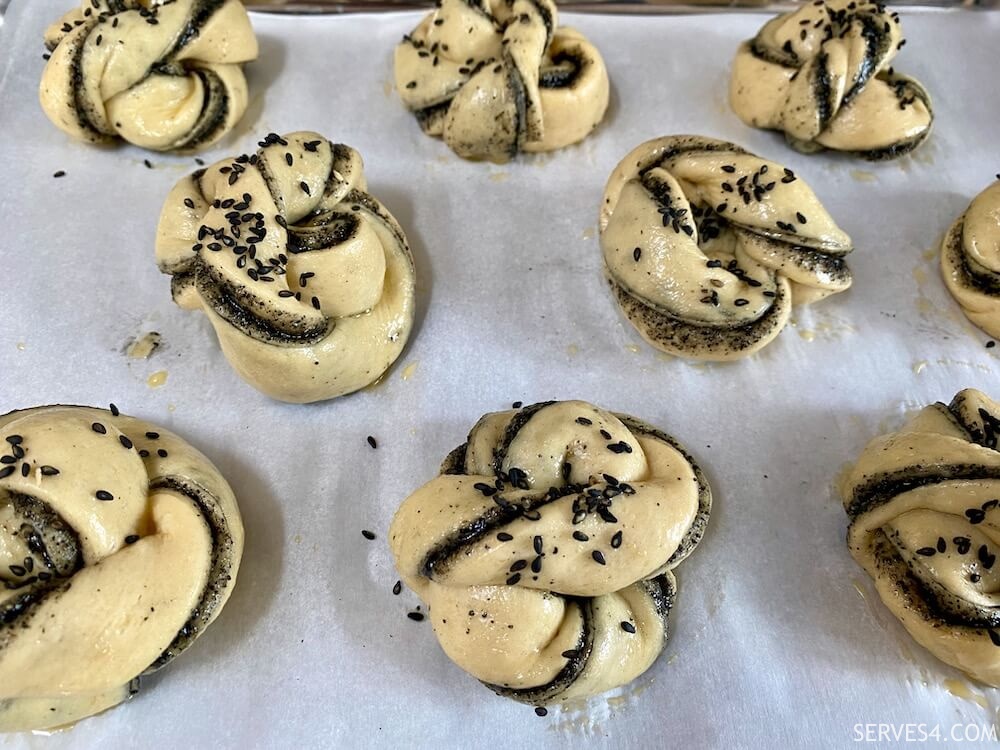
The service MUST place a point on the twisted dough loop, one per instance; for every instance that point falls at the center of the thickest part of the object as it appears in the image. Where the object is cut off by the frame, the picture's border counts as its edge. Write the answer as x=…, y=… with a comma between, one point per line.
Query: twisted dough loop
x=306, y=278
x=165, y=77
x=494, y=77
x=706, y=246
x=545, y=548
x=970, y=260
x=120, y=545
x=925, y=525
x=821, y=74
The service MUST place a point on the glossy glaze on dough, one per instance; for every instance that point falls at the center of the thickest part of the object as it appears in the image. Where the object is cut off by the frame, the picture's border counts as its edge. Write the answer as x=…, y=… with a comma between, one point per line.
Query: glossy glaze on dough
x=306, y=278
x=970, y=260
x=495, y=77
x=165, y=77
x=924, y=510
x=546, y=531
x=823, y=75
x=119, y=545
x=707, y=246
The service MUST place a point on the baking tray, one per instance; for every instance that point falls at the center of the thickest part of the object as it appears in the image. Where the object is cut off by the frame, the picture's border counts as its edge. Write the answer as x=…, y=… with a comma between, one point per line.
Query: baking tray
x=778, y=638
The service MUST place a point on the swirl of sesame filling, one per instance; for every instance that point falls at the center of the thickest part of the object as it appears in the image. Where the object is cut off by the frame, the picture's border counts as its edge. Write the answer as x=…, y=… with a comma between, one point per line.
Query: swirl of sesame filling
x=495, y=77
x=545, y=548
x=119, y=545
x=707, y=246
x=163, y=76
x=970, y=260
x=822, y=75
x=306, y=278
x=925, y=524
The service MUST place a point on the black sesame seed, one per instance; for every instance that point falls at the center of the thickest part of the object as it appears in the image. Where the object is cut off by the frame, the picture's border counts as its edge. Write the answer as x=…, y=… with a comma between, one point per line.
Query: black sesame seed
x=131, y=539
x=415, y=616
x=518, y=565
x=729, y=168
x=104, y=496
x=627, y=626
x=144, y=453
x=25, y=470
x=126, y=443
x=503, y=536
x=536, y=543
x=305, y=187
x=580, y=536
x=371, y=442
x=541, y=711
x=941, y=545
x=637, y=253
x=397, y=587
x=990, y=344
x=99, y=428
x=927, y=551
x=570, y=654
x=114, y=410
x=161, y=453
x=583, y=421
x=513, y=579
x=517, y=405
x=288, y=159
x=598, y=557
x=994, y=637
x=800, y=217
x=153, y=435
x=369, y=535
x=59, y=174
x=6, y=472
x=740, y=302
x=17, y=570
x=616, y=540
x=189, y=203
x=49, y=471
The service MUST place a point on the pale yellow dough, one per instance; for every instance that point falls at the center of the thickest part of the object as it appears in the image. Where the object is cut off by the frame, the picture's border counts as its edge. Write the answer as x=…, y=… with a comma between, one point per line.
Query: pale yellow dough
x=707, y=246
x=167, y=77
x=925, y=525
x=970, y=260
x=306, y=278
x=119, y=545
x=494, y=78
x=822, y=74
x=517, y=600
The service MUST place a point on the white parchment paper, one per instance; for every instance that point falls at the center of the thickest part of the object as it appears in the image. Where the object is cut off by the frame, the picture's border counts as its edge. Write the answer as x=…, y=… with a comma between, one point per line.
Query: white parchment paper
x=778, y=639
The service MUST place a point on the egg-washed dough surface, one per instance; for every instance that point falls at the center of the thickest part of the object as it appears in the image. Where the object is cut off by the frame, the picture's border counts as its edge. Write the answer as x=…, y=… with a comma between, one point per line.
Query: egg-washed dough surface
x=119, y=545
x=545, y=550
x=167, y=77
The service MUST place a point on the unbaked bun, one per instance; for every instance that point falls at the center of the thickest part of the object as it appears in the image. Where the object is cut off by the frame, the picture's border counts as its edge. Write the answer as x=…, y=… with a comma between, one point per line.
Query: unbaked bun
x=545, y=548
x=119, y=545
x=306, y=277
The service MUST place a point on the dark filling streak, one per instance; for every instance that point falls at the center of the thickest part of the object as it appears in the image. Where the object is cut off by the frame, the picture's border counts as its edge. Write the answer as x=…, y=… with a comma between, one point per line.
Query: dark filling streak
x=677, y=334
x=570, y=672
x=876, y=47
x=200, y=14
x=822, y=90
x=494, y=518
x=220, y=570
x=883, y=489
x=515, y=86
x=562, y=73
x=985, y=430
x=214, y=111
x=518, y=421
x=80, y=106
x=988, y=283
x=918, y=597
x=454, y=463
x=323, y=230
x=227, y=303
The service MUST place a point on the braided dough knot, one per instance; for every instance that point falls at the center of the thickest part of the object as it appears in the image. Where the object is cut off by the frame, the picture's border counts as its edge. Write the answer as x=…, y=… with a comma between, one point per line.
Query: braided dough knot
x=119, y=545
x=306, y=278
x=545, y=548
x=496, y=77
x=924, y=510
x=166, y=76
x=822, y=75
x=706, y=246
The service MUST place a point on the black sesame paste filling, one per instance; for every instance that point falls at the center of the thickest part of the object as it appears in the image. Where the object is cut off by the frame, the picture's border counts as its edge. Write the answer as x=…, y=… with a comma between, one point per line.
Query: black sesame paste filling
x=988, y=282
x=518, y=421
x=230, y=306
x=920, y=598
x=214, y=110
x=562, y=73
x=200, y=14
x=220, y=570
x=883, y=489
